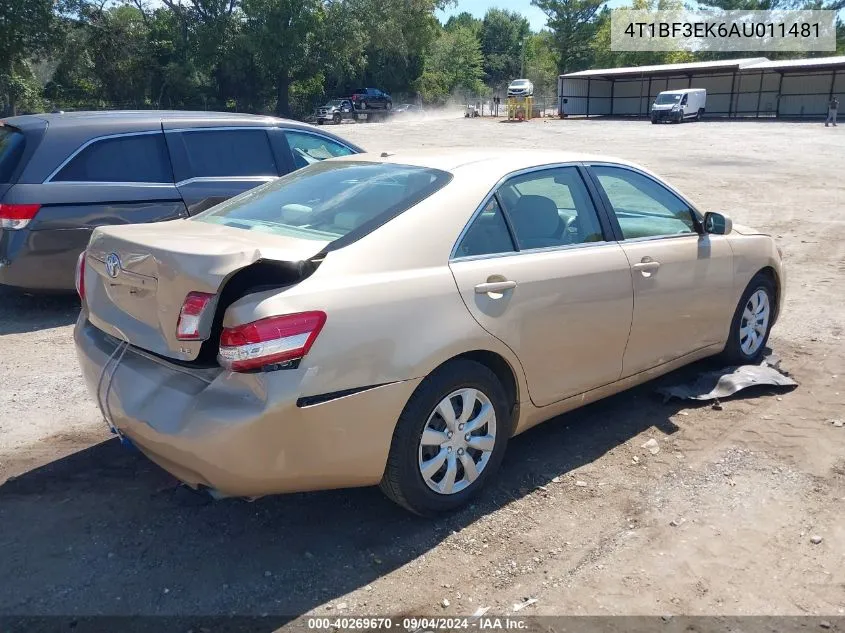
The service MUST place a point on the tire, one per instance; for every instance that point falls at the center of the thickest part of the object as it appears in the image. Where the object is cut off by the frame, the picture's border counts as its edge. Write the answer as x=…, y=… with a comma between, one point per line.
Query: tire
x=734, y=352
x=336, y=118
x=654, y=121
x=403, y=481
x=320, y=121
x=700, y=114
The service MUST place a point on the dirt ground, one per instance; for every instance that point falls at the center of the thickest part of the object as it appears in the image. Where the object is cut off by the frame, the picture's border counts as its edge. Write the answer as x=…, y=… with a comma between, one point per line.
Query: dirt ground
x=721, y=521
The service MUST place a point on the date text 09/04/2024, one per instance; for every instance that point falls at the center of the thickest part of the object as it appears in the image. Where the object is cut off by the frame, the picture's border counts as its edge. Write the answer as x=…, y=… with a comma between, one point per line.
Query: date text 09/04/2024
x=417, y=624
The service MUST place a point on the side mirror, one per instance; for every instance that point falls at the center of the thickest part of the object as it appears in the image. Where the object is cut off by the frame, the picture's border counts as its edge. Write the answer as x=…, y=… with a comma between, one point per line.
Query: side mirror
x=717, y=223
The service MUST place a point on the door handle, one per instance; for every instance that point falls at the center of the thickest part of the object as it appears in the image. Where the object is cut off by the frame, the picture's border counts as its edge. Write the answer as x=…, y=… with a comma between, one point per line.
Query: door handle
x=647, y=266
x=494, y=286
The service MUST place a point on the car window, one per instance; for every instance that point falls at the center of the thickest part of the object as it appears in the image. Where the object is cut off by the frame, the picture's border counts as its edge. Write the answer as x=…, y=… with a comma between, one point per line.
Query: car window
x=131, y=158
x=12, y=144
x=684, y=100
x=225, y=153
x=643, y=207
x=549, y=208
x=307, y=149
x=488, y=234
x=329, y=200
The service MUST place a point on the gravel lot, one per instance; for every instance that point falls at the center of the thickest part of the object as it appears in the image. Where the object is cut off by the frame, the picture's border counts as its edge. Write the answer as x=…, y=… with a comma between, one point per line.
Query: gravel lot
x=720, y=521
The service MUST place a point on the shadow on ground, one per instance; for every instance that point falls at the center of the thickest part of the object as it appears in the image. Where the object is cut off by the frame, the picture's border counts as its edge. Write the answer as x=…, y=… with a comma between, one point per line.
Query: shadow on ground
x=21, y=312
x=104, y=531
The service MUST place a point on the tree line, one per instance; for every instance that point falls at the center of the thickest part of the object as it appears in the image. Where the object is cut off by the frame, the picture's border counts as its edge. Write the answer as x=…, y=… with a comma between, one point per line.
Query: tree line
x=285, y=56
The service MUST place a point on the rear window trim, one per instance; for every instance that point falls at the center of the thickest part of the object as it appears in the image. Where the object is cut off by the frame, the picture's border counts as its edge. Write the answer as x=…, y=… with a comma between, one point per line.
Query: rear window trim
x=91, y=141
x=15, y=172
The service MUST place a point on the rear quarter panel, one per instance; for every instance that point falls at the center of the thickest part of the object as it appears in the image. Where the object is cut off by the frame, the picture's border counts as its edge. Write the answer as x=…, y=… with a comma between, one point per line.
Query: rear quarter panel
x=380, y=327
x=393, y=308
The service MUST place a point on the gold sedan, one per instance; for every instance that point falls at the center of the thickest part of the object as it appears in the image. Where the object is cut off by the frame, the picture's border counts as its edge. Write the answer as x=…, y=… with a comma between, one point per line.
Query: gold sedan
x=394, y=319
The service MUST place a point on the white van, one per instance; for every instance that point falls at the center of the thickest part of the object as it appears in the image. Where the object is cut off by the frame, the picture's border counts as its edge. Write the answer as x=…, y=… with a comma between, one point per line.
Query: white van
x=678, y=105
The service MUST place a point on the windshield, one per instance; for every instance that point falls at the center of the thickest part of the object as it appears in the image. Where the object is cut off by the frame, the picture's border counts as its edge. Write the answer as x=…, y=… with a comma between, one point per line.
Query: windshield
x=328, y=200
x=334, y=103
x=12, y=143
x=519, y=82
x=666, y=99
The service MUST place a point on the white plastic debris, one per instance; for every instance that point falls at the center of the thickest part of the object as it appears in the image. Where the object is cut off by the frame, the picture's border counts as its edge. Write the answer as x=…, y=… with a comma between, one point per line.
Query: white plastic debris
x=520, y=606
x=652, y=446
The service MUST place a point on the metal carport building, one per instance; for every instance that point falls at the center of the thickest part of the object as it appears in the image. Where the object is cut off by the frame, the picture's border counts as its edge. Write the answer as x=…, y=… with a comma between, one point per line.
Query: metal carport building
x=748, y=87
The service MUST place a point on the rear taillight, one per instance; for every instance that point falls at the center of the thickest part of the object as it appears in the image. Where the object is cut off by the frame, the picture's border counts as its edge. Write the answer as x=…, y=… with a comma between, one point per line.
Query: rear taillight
x=190, y=316
x=17, y=216
x=269, y=341
x=80, y=275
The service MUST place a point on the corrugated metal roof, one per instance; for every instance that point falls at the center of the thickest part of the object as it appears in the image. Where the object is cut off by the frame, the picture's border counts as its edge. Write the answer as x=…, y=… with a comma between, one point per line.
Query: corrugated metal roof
x=664, y=69
x=784, y=64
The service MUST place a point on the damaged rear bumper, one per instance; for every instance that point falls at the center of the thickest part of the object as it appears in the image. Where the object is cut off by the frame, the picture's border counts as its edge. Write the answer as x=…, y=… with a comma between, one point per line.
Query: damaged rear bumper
x=240, y=434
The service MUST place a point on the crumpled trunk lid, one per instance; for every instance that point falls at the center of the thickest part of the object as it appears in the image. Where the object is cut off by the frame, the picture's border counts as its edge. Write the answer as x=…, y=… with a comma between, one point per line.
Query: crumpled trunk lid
x=137, y=276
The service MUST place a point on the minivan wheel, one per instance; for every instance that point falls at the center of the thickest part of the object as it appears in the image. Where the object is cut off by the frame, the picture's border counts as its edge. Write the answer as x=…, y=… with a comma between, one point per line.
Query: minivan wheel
x=752, y=323
x=449, y=440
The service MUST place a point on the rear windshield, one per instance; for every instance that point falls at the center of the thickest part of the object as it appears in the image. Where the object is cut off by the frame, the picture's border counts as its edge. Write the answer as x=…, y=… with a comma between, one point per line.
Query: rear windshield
x=329, y=200
x=12, y=142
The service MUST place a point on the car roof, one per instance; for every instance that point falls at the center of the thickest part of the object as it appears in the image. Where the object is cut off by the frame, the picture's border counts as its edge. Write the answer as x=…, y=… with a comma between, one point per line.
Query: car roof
x=486, y=160
x=109, y=118
x=681, y=91
x=66, y=132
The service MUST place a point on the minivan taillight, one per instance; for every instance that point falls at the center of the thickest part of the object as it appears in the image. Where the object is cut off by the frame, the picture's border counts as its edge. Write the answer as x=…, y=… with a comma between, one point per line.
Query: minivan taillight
x=269, y=341
x=190, y=316
x=79, y=276
x=17, y=216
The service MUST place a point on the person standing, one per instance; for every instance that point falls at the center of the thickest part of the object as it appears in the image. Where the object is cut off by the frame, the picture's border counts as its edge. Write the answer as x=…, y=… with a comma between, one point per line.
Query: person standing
x=832, y=109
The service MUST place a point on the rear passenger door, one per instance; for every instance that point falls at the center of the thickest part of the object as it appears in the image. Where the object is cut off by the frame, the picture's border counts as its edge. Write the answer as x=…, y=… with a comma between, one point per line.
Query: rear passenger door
x=211, y=165
x=538, y=270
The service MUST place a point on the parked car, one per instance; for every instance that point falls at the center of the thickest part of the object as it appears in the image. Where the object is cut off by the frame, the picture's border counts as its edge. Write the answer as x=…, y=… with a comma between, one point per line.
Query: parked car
x=409, y=109
x=335, y=111
x=679, y=105
x=395, y=319
x=63, y=174
x=365, y=98
x=520, y=88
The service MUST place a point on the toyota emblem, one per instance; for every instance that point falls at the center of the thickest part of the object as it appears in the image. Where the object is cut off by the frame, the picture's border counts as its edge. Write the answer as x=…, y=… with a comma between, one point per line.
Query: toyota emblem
x=113, y=265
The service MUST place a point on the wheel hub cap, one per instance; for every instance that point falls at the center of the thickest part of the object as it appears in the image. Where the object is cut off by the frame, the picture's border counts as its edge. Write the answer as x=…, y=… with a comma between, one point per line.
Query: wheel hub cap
x=457, y=441
x=755, y=322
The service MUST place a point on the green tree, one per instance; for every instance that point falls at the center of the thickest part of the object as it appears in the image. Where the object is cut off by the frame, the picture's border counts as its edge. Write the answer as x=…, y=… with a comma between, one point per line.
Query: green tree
x=455, y=63
x=604, y=57
x=541, y=63
x=574, y=24
x=465, y=20
x=26, y=31
x=284, y=36
x=504, y=35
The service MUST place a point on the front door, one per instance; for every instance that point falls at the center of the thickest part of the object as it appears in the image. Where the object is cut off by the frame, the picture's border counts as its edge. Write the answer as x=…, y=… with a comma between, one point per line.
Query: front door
x=536, y=271
x=683, y=278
